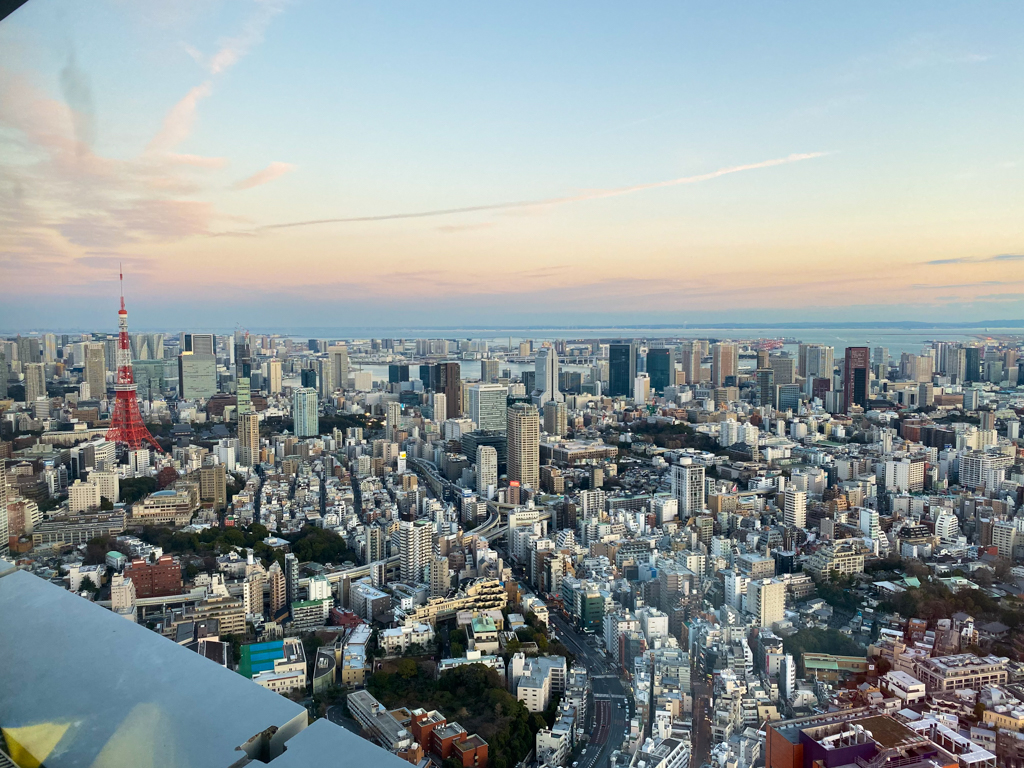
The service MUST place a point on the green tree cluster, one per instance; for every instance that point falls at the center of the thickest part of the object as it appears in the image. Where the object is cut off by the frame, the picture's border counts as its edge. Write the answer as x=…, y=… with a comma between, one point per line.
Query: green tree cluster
x=819, y=641
x=474, y=696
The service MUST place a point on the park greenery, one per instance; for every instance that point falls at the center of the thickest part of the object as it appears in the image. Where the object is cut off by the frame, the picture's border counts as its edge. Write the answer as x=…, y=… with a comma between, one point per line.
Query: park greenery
x=819, y=641
x=472, y=695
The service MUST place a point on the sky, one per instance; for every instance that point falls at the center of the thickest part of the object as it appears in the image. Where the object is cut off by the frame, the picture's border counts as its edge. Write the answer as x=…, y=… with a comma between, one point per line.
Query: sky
x=270, y=164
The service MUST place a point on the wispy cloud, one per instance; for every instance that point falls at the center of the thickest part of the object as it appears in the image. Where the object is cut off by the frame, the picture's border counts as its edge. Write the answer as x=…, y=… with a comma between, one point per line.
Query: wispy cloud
x=553, y=201
x=179, y=121
x=978, y=259
x=273, y=171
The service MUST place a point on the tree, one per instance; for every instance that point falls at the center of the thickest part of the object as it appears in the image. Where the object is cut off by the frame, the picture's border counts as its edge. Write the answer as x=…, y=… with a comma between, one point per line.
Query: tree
x=407, y=668
x=88, y=585
x=458, y=649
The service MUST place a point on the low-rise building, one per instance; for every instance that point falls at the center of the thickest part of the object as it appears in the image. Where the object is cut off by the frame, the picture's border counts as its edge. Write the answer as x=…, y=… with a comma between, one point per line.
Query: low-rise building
x=963, y=670
x=397, y=640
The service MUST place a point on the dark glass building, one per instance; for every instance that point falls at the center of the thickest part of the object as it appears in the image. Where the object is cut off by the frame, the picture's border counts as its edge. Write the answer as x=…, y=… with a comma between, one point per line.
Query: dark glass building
x=659, y=368
x=621, y=369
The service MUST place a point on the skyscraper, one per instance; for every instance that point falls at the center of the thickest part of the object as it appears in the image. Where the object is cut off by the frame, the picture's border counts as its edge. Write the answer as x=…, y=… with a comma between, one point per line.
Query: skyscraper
x=4, y=524
x=415, y=549
x=660, y=368
x=972, y=364
x=856, y=377
x=688, y=488
x=305, y=413
x=338, y=355
x=394, y=420
x=524, y=445
x=725, y=362
x=249, y=438
x=766, y=386
x=96, y=369
x=621, y=369
x=35, y=382
x=486, y=470
x=546, y=381
x=819, y=362
x=487, y=404
x=795, y=508
x=449, y=383
x=398, y=372
x=199, y=343
x=784, y=368
x=555, y=418
x=489, y=370
x=278, y=589
x=274, y=377
x=690, y=361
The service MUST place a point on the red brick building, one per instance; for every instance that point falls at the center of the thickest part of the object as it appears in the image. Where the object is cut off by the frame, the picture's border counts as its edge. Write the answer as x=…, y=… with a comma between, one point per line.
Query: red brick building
x=157, y=579
x=443, y=739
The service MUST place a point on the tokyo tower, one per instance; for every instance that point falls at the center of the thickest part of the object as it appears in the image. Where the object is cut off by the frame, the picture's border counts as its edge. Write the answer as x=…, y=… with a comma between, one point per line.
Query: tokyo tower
x=126, y=427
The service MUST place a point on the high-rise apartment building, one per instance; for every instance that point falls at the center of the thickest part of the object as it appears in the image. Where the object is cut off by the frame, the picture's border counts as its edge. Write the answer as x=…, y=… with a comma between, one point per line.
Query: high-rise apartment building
x=440, y=578
x=523, y=444
x=278, y=589
x=555, y=418
x=487, y=405
x=486, y=470
x=766, y=600
x=725, y=363
x=305, y=412
x=690, y=358
x=546, y=380
x=794, y=511
x=274, y=378
x=621, y=369
x=415, y=549
x=249, y=439
x=856, y=378
x=688, y=488
x=35, y=382
x=4, y=520
x=393, y=420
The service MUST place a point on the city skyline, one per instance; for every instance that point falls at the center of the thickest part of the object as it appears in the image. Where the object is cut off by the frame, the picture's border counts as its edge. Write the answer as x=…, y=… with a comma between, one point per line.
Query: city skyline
x=436, y=167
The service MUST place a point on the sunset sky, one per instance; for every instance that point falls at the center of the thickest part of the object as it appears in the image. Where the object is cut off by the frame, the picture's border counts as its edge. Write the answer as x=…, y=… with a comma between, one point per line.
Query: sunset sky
x=335, y=164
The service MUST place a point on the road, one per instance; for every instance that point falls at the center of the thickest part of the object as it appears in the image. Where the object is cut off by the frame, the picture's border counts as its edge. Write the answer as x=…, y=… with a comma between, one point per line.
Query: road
x=609, y=703
x=701, y=722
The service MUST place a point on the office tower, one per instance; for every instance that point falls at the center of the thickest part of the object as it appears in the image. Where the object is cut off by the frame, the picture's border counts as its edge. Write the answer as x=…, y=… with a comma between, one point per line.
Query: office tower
x=127, y=430
x=35, y=381
x=856, y=378
x=28, y=349
x=5, y=372
x=96, y=369
x=725, y=362
x=766, y=386
x=819, y=363
x=688, y=488
x=471, y=442
x=880, y=356
x=49, y=348
x=489, y=370
x=486, y=470
x=972, y=364
x=275, y=379
x=523, y=444
x=249, y=438
x=155, y=342
x=307, y=378
x=784, y=368
x=621, y=369
x=555, y=418
x=198, y=343
x=660, y=368
x=305, y=413
x=545, y=384
x=393, y=420
x=487, y=404
x=449, y=382
x=325, y=378
x=440, y=407
x=397, y=373
x=794, y=512
x=690, y=361
x=338, y=355
x=197, y=376
x=415, y=549
x=956, y=364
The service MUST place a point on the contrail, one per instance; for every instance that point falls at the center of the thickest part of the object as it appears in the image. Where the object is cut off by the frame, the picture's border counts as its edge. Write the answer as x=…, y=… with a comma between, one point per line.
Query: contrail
x=595, y=195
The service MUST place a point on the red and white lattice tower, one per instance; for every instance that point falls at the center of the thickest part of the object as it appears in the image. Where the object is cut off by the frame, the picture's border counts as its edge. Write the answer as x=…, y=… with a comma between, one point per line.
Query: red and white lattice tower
x=126, y=427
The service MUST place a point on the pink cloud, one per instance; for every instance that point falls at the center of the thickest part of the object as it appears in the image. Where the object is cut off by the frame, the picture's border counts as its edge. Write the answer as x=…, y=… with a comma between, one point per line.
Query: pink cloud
x=273, y=171
x=179, y=121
